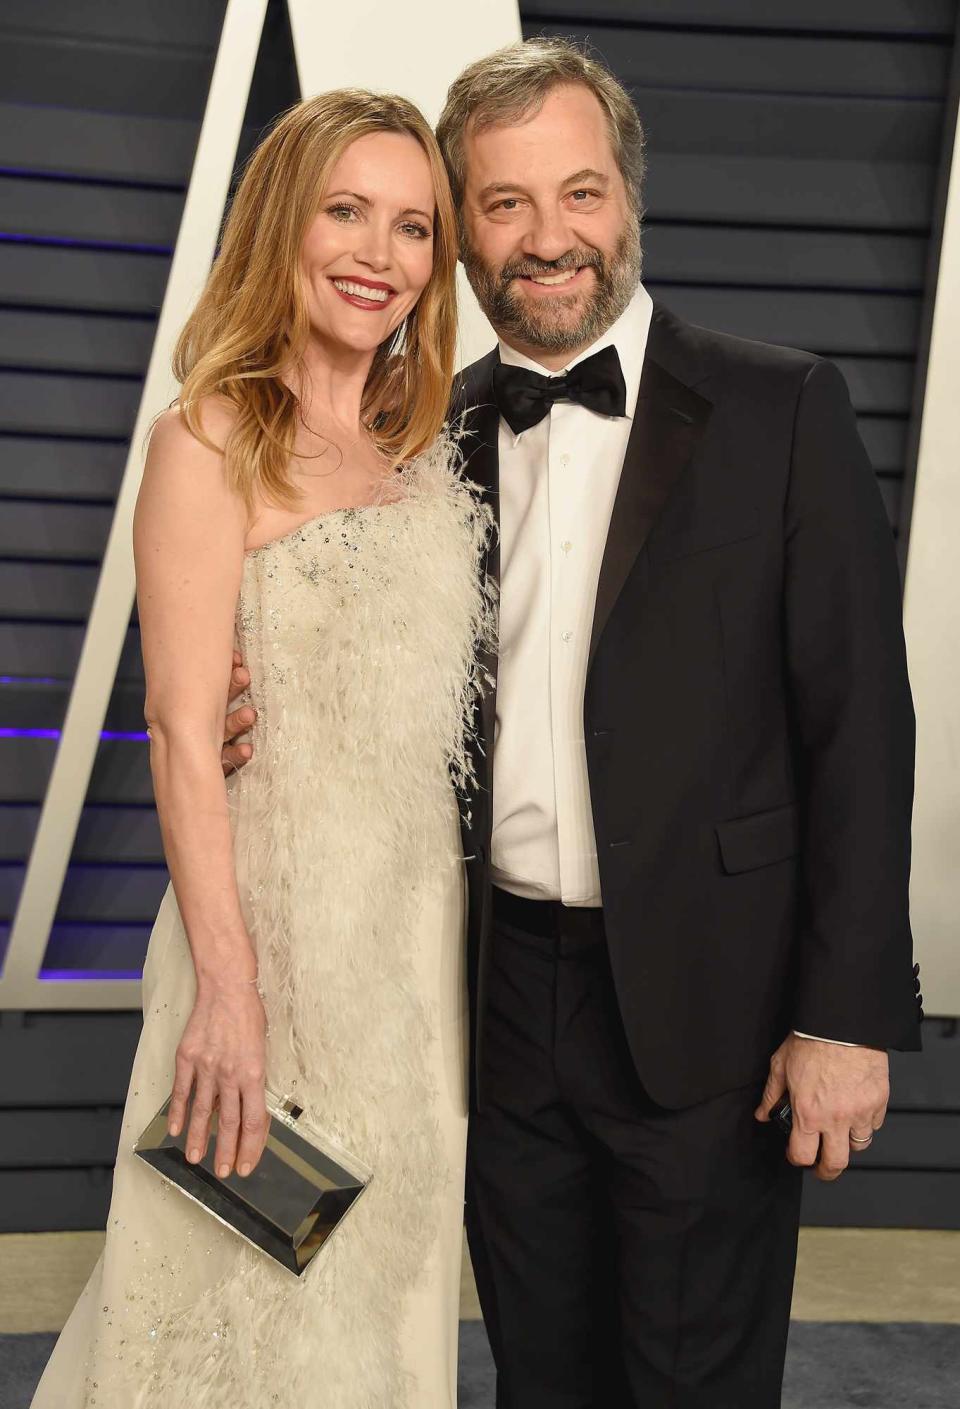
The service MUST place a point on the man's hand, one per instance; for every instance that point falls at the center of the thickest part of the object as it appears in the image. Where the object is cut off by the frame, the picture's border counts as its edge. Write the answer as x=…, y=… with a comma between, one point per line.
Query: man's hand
x=838, y=1096
x=238, y=721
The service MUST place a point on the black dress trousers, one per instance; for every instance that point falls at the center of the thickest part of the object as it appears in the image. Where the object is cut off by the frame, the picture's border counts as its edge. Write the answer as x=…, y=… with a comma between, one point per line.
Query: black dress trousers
x=627, y=1256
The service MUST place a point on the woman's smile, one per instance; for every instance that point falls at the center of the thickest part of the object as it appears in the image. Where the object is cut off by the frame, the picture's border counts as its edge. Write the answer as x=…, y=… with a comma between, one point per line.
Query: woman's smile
x=369, y=294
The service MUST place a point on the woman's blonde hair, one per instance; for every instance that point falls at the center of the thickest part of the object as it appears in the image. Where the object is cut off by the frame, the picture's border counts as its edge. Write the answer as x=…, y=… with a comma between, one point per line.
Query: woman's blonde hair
x=251, y=322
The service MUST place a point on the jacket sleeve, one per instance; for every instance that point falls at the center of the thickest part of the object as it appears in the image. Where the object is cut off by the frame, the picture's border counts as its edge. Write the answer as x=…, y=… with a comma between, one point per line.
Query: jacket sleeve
x=854, y=721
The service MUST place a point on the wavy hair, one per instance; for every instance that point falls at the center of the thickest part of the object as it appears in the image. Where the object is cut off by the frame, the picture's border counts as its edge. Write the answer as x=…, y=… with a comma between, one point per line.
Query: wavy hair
x=251, y=322
x=511, y=84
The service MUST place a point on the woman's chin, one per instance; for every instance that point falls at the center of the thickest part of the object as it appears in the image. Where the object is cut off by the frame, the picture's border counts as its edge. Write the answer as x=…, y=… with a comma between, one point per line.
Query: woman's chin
x=343, y=339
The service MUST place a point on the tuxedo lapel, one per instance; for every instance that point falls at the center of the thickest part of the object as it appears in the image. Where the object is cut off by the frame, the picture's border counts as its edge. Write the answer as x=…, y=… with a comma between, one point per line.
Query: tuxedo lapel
x=669, y=420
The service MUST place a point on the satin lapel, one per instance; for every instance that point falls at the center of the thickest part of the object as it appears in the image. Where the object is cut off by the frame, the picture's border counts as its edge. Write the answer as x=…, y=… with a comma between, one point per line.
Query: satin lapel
x=669, y=420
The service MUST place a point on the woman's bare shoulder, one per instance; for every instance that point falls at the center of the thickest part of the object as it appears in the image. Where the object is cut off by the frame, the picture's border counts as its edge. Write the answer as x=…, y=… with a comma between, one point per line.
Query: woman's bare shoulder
x=215, y=416
x=183, y=478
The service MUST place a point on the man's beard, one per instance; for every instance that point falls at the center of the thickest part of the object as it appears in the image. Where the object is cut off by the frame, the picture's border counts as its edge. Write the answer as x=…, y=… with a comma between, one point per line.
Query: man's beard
x=545, y=323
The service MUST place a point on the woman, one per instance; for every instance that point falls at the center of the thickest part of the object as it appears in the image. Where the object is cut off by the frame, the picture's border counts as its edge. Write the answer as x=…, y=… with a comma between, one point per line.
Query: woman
x=300, y=503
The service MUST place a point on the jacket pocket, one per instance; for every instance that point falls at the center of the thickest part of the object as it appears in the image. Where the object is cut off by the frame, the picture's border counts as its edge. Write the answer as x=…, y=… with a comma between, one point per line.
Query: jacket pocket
x=700, y=538
x=761, y=839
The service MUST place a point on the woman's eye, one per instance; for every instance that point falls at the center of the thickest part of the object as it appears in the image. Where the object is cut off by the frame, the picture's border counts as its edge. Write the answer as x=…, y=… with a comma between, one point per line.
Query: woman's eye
x=418, y=232
x=342, y=212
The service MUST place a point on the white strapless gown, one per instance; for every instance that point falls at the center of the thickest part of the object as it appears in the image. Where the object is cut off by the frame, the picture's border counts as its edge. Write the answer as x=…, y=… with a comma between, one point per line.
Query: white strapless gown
x=359, y=630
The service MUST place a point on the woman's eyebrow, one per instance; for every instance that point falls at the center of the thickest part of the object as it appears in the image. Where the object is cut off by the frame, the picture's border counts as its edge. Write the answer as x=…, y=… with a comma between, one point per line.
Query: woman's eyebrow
x=365, y=200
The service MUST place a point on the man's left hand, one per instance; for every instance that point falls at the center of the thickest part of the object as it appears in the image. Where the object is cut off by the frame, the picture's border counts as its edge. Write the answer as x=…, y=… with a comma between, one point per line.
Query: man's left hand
x=838, y=1096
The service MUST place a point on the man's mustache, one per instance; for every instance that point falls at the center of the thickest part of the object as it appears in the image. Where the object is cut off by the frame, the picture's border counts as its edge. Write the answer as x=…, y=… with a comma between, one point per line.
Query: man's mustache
x=573, y=259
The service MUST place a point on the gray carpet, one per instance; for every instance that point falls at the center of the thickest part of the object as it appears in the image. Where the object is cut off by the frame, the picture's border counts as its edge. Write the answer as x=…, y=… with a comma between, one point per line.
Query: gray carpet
x=830, y=1366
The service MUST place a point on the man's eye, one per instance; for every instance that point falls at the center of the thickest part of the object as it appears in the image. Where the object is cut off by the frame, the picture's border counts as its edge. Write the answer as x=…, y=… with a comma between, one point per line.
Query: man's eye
x=586, y=195
x=510, y=203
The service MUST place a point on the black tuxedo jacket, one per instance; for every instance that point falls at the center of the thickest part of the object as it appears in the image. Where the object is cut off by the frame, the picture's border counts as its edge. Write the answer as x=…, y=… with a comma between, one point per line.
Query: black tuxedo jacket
x=748, y=720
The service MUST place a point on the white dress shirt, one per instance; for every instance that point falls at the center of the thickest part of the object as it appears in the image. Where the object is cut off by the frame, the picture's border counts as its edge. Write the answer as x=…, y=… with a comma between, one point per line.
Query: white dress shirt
x=558, y=483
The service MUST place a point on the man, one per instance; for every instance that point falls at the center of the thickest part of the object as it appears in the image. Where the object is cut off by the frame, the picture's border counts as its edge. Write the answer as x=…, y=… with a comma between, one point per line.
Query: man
x=689, y=845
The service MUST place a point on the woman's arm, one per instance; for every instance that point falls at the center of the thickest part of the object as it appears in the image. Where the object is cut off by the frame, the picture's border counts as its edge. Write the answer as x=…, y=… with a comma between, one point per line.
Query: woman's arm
x=189, y=532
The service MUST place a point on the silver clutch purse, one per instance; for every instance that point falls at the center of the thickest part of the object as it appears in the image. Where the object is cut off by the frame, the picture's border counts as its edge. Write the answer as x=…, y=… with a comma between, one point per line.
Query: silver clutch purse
x=297, y=1194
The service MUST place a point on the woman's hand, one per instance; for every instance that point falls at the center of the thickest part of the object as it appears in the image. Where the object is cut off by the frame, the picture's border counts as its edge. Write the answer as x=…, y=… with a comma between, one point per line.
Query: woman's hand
x=223, y=1049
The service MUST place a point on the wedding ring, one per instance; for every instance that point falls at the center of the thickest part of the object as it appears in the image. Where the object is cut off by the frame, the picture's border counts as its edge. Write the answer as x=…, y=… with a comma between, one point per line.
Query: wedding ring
x=854, y=1140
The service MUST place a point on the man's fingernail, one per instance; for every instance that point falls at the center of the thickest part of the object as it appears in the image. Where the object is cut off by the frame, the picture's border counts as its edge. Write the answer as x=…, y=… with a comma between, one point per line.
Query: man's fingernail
x=223, y=1170
x=194, y=1154
x=175, y=1128
x=244, y=1169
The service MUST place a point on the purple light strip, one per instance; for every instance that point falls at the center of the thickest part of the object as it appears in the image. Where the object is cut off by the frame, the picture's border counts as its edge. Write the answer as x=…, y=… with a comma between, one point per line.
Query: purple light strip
x=31, y=680
x=107, y=734
x=59, y=975
x=76, y=178
x=8, y=237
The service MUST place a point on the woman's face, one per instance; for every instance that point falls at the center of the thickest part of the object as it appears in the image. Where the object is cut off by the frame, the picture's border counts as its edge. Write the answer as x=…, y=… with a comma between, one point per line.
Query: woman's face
x=367, y=254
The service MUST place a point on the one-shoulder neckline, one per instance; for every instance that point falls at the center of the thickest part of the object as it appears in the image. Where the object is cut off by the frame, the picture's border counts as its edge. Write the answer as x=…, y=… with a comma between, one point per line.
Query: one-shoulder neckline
x=316, y=519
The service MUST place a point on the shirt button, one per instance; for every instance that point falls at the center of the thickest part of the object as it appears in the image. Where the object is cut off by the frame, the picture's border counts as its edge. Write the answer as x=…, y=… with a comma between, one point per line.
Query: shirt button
x=564, y=460
x=566, y=635
x=566, y=545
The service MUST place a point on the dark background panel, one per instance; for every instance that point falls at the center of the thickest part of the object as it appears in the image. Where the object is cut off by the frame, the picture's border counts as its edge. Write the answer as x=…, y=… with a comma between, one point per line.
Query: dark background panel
x=793, y=154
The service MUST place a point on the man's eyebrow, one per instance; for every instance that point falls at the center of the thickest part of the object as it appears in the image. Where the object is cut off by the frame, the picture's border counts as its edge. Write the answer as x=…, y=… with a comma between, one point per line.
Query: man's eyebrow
x=500, y=188
x=587, y=174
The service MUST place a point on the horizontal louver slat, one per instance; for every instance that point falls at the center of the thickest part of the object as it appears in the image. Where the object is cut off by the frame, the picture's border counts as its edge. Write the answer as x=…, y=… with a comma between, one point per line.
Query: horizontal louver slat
x=717, y=254
x=51, y=531
x=114, y=894
x=53, y=649
x=144, y=151
x=831, y=65
x=41, y=704
x=45, y=467
x=781, y=191
x=75, y=342
x=119, y=833
x=85, y=211
x=49, y=276
x=42, y=404
x=829, y=322
x=174, y=25
x=907, y=17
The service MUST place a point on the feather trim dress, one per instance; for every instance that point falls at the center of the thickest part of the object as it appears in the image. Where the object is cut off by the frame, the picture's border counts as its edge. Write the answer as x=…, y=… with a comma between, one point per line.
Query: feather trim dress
x=360, y=629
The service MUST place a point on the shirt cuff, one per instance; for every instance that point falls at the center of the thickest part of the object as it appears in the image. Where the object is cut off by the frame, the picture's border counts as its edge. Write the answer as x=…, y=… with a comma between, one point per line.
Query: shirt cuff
x=834, y=1041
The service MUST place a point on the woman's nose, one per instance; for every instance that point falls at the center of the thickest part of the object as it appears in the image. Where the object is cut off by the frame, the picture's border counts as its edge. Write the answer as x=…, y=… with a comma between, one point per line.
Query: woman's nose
x=375, y=248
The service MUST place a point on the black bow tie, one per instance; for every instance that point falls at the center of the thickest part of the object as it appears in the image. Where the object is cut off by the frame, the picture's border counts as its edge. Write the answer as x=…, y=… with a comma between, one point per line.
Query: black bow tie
x=525, y=397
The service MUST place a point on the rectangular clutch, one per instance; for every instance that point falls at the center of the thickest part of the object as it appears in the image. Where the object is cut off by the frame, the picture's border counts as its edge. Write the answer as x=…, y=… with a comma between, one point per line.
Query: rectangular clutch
x=300, y=1190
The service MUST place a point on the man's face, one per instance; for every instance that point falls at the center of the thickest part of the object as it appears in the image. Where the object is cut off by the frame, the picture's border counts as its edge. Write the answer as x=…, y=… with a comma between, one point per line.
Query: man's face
x=551, y=243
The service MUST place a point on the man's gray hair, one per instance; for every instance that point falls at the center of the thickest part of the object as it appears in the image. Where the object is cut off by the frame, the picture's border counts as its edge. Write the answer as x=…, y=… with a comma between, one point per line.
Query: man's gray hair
x=512, y=83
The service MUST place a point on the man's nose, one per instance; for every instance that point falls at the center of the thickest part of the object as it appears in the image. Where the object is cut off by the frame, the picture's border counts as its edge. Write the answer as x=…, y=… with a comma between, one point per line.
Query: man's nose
x=548, y=236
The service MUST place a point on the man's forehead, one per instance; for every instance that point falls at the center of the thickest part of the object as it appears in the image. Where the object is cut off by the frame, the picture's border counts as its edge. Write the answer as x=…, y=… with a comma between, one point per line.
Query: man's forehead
x=500, y=151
